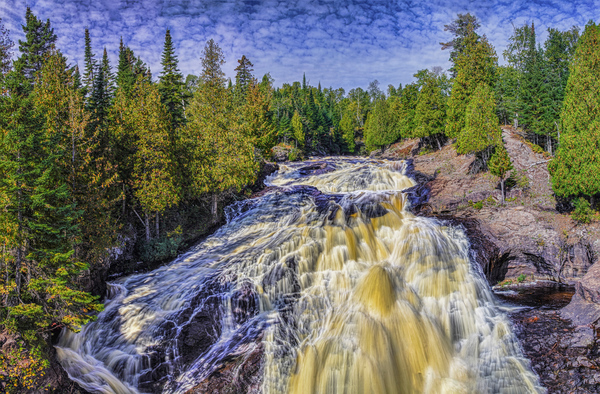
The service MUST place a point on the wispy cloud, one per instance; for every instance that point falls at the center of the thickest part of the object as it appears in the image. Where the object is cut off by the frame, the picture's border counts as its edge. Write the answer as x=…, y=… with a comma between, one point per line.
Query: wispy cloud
x=339, y=43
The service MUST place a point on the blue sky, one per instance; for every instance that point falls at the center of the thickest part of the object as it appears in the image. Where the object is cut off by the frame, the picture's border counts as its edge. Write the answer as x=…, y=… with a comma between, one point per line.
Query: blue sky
x=340, y=43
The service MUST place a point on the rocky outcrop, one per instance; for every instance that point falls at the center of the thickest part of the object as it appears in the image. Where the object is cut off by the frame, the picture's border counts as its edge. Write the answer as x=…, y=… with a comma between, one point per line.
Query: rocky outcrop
x=584, y=309
x=525, y=237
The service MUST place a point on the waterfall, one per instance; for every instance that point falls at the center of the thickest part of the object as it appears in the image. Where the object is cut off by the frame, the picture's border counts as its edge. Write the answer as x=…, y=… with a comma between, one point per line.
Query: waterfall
x=327, y=282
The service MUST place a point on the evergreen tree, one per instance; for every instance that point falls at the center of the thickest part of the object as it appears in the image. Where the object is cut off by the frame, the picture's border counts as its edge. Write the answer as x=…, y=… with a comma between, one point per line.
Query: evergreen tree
x=462, y=27
x=475, y=65
x=39, y=39
x=482, y=130
x=171, y=86
x=6, y=46
x=348, y=125
x=381, y=128
x=500, y=165
x=575, y=169
x=507, y=93
x=558, y=51
x=534, y=96
x=143, y=124
x=220, y=157
x=258, y=117
x=243, y=77
x=406, y=108
x=125, y=75
x=101, y=95
x=430, y=112
x=90, y=65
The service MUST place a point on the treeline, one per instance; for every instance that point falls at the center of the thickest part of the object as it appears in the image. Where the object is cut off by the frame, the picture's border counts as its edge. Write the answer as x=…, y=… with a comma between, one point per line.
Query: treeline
x=550, y=91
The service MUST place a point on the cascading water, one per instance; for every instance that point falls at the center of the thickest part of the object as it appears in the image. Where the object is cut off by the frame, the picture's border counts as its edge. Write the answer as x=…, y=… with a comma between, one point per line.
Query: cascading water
x=332, y=286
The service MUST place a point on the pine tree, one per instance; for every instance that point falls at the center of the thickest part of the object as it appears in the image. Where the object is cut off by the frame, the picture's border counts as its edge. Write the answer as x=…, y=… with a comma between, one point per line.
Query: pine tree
x=243, y=78
x=500, y=165
x=575, y=169
x=89, y=76
x=348, y=126
x=125, y=76
x=462, y=27
x=430, y=112
x=39, y=39
x=171, y=86
x=258, y=117
x=482, y=129
x=381, y=128
x=507, y=93
x=6, y=46
x=475, y=65
x=220, y=156
x=534, y=96
x=101, y=95
x=406, y=108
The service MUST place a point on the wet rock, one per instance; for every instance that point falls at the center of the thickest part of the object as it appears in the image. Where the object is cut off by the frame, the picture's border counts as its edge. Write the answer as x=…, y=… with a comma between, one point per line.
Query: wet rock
x=316, y=169
x=241, y=374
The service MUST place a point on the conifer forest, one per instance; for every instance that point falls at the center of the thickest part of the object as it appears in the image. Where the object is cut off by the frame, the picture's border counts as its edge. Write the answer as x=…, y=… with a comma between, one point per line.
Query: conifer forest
x=97, y=156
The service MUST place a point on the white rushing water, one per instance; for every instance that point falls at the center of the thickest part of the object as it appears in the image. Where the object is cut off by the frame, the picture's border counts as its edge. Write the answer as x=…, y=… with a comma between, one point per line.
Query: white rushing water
x=330, y=280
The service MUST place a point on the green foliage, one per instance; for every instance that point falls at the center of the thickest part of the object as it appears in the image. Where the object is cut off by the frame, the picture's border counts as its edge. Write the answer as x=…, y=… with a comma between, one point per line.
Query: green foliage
x=482, y=129
x=476, y=65
x=6, y=46
x=220, y=157
x=521, y=278
x=171, y=86
x=39, y=39
x=576, y=169
x=582, y=212
x=462, y=27
x=381, y=128
x=430, y=113
x=161, y=249
x=295, y=154
x=500, y=165
x=507, y=93
x=90, y=65
x=298, y=129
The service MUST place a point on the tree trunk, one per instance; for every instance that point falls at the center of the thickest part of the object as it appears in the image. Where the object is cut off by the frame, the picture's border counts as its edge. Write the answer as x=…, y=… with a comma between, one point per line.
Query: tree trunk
x=147, y=225
x=549, y=143
x=213, y=208
x=439, y=144
x=157, y=226
x=502, y=190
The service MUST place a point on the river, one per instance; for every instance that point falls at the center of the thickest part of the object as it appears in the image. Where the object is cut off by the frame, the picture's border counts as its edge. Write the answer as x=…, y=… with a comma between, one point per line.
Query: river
x=329, y=281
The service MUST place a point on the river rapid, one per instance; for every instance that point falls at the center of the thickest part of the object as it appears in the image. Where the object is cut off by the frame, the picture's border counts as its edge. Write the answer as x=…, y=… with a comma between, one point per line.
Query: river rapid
x=330, y=279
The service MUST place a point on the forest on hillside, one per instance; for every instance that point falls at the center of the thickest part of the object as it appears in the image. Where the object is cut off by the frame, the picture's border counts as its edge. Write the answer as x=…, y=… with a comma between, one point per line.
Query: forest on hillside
x=95, y=157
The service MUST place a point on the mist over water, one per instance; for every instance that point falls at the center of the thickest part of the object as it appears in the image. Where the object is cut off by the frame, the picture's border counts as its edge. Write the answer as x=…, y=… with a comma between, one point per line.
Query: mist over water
x=331, y=279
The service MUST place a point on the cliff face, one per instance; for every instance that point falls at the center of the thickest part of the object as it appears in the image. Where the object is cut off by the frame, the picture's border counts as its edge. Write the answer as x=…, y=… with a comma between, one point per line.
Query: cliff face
x=528, y=235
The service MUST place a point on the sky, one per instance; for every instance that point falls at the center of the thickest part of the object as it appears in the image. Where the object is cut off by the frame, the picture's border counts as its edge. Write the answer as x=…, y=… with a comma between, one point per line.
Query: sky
x=339, y=43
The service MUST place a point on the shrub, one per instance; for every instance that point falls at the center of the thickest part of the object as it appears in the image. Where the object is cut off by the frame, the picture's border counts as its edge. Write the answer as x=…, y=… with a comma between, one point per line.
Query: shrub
x=161, y=249
x=582, y=212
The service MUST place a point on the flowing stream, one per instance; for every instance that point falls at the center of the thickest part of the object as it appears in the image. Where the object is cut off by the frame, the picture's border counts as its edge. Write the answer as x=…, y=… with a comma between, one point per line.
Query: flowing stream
x=327, y=283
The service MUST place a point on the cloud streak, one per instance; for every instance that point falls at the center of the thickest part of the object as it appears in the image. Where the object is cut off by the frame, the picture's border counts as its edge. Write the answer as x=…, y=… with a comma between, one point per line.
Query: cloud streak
x=338, y=43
